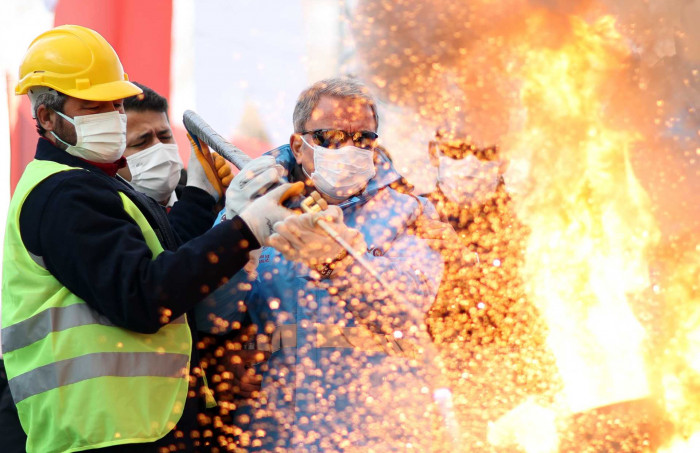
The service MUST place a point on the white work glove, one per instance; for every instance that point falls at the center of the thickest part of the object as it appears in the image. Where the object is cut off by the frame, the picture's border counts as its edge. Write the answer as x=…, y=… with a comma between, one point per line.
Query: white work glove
x=207, y=170
x=263, y=212
x=197, y=178
x=299, y=238
x=254, y=179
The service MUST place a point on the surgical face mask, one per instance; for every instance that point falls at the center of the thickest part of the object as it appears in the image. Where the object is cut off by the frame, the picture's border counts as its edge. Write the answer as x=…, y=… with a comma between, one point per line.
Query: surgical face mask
x=101, y=137
x=155, y=171
x=340, y=173
x=468, y=180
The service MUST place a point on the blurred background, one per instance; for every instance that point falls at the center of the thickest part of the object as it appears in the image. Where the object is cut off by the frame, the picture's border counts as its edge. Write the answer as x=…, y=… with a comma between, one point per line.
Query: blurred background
x=595, y=102
x=238, y=64
x=242, y=64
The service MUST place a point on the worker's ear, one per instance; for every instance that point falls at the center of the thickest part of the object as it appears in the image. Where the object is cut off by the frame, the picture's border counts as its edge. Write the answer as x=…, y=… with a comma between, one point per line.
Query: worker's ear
x=296, y=143
x=46, y=117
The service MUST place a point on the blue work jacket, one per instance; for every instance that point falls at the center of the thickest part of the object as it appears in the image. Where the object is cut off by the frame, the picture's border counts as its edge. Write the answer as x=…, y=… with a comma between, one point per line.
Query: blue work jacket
x=332, y=381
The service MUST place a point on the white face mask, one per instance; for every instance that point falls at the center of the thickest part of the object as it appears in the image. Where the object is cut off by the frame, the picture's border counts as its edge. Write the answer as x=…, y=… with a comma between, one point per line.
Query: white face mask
x=101, y=137
x=468, y=180
x=340, y=173
x=155, y=171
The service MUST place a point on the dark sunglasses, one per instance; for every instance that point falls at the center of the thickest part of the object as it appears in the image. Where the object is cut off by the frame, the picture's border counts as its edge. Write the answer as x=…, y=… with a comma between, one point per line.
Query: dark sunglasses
x=459, y=150
x=334, y=138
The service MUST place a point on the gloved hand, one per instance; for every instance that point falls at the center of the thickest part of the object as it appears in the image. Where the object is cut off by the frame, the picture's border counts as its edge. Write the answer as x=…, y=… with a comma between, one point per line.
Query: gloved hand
x=202, y=171
x=261, y=214
x=254, y=179
x=299, y=238
x=223, y=169
x=251, y=267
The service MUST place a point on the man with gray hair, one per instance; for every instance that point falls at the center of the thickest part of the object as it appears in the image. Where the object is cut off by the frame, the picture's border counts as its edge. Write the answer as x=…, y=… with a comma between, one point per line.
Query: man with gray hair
x=346, y=370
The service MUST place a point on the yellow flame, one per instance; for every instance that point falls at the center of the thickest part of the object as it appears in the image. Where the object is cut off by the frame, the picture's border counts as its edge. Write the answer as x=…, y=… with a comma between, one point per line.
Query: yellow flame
x=589, y=217
x=591, y=228
x=691, y=445
x=680, y=292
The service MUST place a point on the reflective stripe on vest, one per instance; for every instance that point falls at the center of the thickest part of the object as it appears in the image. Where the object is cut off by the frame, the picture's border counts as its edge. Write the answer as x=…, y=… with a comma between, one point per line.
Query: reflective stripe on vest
x=53, y=319
x=122, y=364
x=80, y=382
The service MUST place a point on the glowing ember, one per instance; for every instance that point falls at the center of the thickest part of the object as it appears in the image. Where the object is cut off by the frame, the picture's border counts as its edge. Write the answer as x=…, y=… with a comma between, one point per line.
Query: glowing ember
x=589, y=218
x=566, y=320
x=567, y=96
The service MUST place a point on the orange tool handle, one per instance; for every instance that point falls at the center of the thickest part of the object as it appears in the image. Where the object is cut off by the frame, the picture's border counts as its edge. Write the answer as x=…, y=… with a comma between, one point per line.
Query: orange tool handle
x=295, y=189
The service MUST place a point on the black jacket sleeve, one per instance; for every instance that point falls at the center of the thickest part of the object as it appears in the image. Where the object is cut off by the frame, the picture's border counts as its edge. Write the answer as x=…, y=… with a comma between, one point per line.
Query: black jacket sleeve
x=93, y=247
x=193, y=213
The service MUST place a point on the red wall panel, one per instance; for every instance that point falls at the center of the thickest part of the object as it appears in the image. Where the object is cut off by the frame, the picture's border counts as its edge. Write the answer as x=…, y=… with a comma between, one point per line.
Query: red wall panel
x=140, y=32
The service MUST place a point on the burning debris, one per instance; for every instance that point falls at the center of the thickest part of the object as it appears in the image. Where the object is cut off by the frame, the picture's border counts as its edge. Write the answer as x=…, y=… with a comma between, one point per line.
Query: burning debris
x=566, y=316
x=573, y=93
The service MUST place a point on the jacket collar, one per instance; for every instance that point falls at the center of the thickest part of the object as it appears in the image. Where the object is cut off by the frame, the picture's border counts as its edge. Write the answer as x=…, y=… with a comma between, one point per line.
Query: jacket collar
x=45, y=150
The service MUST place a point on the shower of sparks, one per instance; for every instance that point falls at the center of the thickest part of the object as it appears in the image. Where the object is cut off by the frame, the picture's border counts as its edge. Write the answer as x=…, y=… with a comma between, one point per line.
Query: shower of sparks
x=566, y=320
x=570, y=90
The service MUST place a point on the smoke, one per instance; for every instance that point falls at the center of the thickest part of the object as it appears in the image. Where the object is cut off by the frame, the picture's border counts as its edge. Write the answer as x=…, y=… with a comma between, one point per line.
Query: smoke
x=600, y=98
x=457, y=65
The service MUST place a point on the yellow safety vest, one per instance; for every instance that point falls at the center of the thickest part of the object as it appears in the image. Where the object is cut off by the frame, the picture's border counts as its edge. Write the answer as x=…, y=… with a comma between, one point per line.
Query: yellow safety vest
x=78, y=381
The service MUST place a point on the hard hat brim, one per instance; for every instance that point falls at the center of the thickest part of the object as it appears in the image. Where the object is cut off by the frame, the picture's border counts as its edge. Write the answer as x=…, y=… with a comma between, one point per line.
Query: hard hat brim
x=110, y=91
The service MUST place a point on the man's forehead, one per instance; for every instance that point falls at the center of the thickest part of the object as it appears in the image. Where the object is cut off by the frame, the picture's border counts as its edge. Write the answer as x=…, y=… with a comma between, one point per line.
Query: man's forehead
x=353, y=109
x=461, y=138
x=342, y=104
x=77, y=102
x=146, y=119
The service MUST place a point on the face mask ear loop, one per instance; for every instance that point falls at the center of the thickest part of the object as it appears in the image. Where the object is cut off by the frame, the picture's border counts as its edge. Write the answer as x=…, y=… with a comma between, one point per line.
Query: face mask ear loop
x=67, y=118
x=303, y=170
x=59, y=138
x=307, y=143
x=313, y=148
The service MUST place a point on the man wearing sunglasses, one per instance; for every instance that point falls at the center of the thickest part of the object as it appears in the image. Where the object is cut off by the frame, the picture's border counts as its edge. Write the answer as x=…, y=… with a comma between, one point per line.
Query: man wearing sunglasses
x=346, y=369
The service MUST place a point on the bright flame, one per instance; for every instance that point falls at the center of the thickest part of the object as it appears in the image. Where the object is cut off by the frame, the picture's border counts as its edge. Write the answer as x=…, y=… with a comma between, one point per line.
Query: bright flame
x=681, y=358
x=581, y=93
x=590, y=220
x=691, y=445
x=529, y=425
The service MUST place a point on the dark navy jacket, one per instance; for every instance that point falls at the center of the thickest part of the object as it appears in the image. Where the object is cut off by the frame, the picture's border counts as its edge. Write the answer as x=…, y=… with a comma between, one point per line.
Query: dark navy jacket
x=75, y=222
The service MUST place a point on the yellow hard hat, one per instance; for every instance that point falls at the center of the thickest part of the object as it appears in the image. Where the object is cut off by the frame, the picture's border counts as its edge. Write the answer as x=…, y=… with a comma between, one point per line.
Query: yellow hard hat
x=76, y=61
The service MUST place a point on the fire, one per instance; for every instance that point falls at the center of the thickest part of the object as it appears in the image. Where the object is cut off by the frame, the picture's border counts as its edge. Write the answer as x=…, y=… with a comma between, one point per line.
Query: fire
x=590, y=220
x=680, y=362
x=579, y=110
x=592, y=231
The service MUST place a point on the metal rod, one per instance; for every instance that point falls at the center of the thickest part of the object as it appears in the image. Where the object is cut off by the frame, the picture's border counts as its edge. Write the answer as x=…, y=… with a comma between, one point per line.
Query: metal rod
x=199, y=128
x=314, y=204
x=354, y=253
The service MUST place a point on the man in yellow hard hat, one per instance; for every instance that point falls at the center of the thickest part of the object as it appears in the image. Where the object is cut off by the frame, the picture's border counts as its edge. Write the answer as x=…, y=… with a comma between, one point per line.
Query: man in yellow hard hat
x=97, y=279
